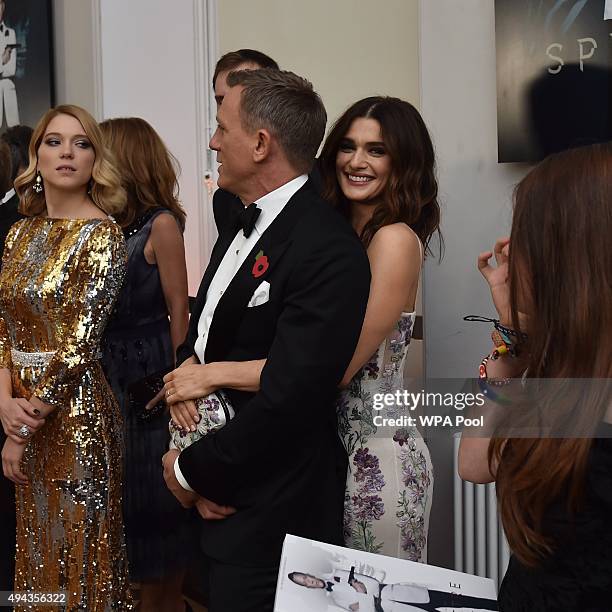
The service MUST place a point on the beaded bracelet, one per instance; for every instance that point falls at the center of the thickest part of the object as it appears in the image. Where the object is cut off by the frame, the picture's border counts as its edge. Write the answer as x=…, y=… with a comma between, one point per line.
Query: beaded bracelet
x=495, y=382
x=492, y=395
x=503, y=346
x=509, y=332
x=507, y=341
x=484, y=382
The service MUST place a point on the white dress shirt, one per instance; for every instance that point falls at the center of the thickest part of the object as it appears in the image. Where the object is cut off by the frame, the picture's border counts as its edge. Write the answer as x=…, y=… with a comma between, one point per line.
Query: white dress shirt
x=271, y=205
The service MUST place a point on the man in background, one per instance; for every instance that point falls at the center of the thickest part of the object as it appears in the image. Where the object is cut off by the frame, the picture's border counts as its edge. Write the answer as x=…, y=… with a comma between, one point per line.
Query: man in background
x=243, y=59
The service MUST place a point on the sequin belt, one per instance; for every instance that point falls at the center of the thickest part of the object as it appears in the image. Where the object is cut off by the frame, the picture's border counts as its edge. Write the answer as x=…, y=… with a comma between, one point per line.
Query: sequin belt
x=31, y=360
x=42, y=359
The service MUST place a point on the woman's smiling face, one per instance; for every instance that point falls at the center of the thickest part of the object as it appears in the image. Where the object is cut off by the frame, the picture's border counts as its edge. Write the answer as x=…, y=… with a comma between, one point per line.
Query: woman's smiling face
x=363, y=164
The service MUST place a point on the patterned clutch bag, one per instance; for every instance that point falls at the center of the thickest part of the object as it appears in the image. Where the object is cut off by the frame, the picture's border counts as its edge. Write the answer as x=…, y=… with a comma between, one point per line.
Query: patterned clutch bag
x=215, y=411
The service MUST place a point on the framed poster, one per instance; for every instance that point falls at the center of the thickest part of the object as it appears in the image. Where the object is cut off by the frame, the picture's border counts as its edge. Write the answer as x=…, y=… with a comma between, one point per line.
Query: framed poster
x=26, y=61
x=554, y=62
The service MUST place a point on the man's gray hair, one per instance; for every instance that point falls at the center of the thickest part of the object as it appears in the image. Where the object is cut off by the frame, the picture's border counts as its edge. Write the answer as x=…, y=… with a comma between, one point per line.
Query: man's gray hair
x=286, y=105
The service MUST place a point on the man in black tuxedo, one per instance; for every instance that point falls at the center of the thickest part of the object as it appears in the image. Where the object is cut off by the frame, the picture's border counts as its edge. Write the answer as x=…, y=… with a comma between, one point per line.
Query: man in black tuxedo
x=279, y=466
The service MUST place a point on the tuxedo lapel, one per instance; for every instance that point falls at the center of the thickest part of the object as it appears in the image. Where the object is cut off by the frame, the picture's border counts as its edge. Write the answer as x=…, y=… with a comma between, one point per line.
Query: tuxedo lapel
x=272, y=245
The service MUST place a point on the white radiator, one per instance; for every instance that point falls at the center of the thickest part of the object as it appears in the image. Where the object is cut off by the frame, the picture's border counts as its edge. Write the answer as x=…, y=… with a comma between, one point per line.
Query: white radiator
x=480, y=544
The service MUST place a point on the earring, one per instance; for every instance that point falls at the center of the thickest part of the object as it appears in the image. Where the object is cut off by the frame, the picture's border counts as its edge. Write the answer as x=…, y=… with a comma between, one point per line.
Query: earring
x=38, y=183
x=90, y=186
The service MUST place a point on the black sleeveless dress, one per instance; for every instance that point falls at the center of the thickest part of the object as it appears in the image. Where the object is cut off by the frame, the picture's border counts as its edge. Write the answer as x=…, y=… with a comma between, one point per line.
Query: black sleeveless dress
x=577, y=577
x=160, y=534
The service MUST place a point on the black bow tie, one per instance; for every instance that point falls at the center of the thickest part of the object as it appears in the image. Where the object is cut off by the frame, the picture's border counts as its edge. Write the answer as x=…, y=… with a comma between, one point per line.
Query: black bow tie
x=247, y=217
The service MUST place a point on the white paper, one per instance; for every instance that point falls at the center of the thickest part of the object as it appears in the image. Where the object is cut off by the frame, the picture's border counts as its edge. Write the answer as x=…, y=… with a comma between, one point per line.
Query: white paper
x=608, y=10
x=414, y=582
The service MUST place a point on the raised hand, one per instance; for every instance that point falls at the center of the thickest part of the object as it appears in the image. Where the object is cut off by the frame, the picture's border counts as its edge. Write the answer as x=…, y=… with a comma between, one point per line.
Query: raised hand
x=497, y=277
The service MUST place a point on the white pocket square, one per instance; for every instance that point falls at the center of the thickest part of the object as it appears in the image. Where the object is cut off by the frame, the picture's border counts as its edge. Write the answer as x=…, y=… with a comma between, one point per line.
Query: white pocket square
x=261, y=295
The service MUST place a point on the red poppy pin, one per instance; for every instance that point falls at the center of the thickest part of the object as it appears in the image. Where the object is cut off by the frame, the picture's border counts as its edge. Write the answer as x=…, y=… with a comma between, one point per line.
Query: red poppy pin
x=261, y=264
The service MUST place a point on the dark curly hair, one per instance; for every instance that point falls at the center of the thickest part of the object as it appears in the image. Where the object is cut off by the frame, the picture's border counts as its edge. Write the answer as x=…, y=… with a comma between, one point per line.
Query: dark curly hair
x=412, y=192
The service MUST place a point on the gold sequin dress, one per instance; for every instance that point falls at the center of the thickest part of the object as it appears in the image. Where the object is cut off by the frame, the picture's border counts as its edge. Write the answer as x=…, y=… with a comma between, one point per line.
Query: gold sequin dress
x=59, y=280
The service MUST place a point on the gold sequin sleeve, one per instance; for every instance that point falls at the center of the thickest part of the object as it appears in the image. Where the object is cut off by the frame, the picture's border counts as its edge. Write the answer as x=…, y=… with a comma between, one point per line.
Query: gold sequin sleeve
x=5, y=341
x=99, y=276
x=5, y=346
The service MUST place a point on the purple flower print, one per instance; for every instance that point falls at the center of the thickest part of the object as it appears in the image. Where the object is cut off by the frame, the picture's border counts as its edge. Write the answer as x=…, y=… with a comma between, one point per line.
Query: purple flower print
x=404, y=325
x=401, y=436
x=367, y=506
x=413, y=501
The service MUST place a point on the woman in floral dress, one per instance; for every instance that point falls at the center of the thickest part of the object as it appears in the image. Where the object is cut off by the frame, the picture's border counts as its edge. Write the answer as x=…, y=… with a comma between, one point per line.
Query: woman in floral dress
x=378, y=170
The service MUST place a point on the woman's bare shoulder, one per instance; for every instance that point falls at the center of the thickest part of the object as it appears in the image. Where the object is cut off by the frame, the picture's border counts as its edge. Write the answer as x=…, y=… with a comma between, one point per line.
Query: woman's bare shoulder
x=396, y=239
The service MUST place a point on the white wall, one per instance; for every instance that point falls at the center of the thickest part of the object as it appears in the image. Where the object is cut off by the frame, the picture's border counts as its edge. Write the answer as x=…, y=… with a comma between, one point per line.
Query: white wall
x=458, y=97
x=74, y=38
x=348, y=49
x=150, y=69
x=458, y=100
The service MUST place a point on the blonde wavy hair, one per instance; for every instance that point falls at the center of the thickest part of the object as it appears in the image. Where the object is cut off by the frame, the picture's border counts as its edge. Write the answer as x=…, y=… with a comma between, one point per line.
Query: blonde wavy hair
x=148, y=169
x=105, y=190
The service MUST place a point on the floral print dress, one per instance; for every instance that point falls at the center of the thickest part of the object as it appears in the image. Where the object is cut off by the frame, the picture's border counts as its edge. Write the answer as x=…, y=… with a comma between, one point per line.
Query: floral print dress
x=390, y=479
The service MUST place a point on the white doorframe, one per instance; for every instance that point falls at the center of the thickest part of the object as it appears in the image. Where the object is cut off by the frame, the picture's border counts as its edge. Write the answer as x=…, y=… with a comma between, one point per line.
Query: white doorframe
x=96, y=42
x=206, y=53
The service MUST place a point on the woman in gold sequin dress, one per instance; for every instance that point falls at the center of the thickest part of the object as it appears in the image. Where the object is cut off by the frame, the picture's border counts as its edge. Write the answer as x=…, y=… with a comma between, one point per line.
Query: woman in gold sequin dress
x=62, y=269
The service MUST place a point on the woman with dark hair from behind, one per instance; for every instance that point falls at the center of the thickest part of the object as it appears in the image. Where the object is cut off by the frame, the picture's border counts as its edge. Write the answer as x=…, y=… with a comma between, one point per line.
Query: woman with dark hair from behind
x=378, y=170
x=149, y=322
x=552, y=289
